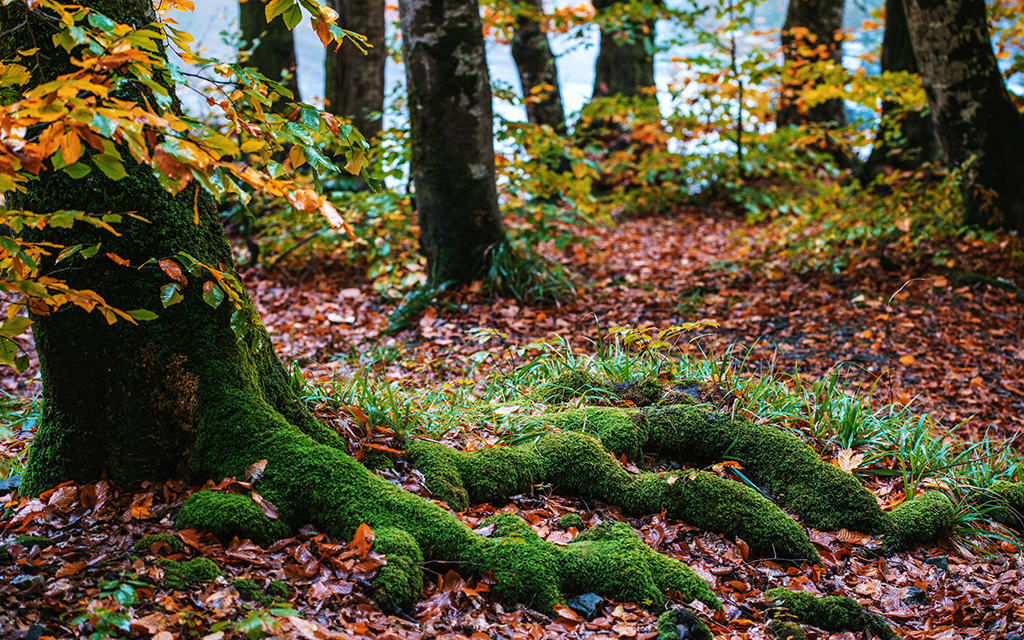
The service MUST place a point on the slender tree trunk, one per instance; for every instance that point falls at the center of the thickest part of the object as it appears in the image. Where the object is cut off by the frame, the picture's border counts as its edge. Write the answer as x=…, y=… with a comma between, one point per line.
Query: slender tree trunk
x=452, y=137
x=812, y=32
x=974, y=117
x=911, y=141
x=354, y=85
x=625, y=62
x=275, y=54
x=536, y=64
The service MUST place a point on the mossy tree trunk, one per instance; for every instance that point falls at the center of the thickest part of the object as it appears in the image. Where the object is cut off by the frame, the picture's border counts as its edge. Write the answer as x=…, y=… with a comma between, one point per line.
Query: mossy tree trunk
x=904, y=141
x=812, y=32
x=974, y=116
x=275, y=54
x=452, y=137
x=354, y=85
x=536, y=64
x=625, y=61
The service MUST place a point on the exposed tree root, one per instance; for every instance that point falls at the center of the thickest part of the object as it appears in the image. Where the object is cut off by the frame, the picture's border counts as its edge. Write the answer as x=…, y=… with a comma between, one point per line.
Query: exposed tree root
x=833, y=614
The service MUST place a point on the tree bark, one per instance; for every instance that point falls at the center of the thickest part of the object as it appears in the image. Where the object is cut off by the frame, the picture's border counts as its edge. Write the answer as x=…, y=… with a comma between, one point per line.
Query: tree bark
x=452, y=138
x=913, y=142
x=823, y=20
x=536, y=64
x=354, y=85
x=275, y=54
x=625, y=61
x=976, y=121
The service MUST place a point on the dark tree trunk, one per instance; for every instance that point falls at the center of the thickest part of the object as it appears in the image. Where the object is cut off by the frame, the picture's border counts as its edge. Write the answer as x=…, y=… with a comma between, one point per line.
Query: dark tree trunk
x=973, y=114
x=275, y=54
x=910, y=141
x=354, y=85
x=823, y=20
x=452, y=137
x=536, y=64
x=625, y=61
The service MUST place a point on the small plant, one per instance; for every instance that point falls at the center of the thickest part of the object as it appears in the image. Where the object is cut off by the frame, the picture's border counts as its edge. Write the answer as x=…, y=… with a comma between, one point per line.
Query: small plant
x=260, y=623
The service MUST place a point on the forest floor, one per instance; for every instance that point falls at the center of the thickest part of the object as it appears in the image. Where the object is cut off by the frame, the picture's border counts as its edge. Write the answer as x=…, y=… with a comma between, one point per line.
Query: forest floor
x=927, y=336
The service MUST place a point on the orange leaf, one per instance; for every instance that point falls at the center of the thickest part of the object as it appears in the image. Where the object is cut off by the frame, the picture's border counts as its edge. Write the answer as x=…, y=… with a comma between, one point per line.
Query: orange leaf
x=908, y=360
x=173, y=271
x=118, y=259
x=363, y=540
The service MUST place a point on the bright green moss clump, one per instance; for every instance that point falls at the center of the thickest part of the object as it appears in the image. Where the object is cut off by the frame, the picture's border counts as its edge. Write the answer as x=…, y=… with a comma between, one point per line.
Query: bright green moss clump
x=179, y=575
x=145, y=544
x=33, y=541
x=227, y=515
x=1011, y=496
x=572, y=520
x=398, y=584
x=833, y=614
x=785, y=630
x=488, y=475
x=678, y=623
x=620, y=431
x=570, y=384
x=249, y=590
x=278, y=590
x=920, y=520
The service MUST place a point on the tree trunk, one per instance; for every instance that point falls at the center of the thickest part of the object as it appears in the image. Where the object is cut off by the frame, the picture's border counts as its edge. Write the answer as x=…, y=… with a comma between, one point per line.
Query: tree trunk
x=452, y=138
x=913, y=142
x=625, y=61
x=354, y=85
x=823, y=22
x=275, y=54
x=974, y=117
x=536, y=64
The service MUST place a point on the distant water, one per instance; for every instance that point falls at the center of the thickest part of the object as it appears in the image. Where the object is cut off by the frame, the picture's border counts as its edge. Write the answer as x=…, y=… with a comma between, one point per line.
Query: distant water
x=214, y=21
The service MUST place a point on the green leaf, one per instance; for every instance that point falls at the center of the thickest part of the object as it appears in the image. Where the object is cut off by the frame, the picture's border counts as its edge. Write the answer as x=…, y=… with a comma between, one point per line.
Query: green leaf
x=110, y=166
x=77, y=170
x=15, y=326
x=89, y=252
x=169, y=295
x=240, y=324
x=20, y=363
x=293, y=16
x=212, y=294
x=8, y=349
x=68, y=252
x=142, y=314
x=101, y=22
x=275, y=8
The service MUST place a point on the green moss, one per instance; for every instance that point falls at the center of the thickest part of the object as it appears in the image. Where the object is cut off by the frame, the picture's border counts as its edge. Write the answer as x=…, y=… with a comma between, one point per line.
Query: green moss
x=147, y=541
x=833, y=614
x=642, y=392
x=227, y=515
x=620, y=431
x=278, y=590
x=779, y=462
x=570, y=384
x=487, y=475
x=179, y=575
x=785, y=630
x=572, y=520
x=33, y=541
x=398, y=584
x=249, y=590
x=1010, y=497
x=377, y=460
x=682, y=624
x=920, y=520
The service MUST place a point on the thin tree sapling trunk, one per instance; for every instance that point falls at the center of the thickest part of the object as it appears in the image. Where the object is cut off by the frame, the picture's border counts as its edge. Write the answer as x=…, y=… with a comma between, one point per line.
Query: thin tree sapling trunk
x=354, y=85
x=274, y=56
x=537, y=70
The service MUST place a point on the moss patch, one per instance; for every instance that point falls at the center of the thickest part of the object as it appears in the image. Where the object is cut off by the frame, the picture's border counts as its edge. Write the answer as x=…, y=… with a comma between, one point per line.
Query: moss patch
x=833, y=614
x=682, y=624
x=570, y=384
x=785, y=630
x=278, y=590
x=249, y=590
x=920, y=520
x=32, y=541
x=398, y=584
x=1010, y=510
x=571, y=520
x=621, y=432
x=179, y=575
x=227, y=515
x=145, y=544
x=641, y=392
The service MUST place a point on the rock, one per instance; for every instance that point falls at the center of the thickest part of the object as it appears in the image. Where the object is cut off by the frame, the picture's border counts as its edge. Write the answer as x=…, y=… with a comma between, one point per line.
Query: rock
x=26, y=581
x=8, y=485
x=35, y=632
x=916, y=596
x=588, y=605
x=941, y=563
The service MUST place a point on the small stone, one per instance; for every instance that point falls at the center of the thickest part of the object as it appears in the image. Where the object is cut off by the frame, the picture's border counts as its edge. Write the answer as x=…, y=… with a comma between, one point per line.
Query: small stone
x=8, y=485
x=26, y=581
x=588, y=605
x=35, y=632
x=941, y=563
x=916, y=596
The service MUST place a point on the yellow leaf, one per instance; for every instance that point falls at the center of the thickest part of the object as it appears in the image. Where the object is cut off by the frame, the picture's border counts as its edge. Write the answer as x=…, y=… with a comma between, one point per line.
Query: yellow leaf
x=356, y=162
x=333, y=217
x=297, y=156
x=907, y=360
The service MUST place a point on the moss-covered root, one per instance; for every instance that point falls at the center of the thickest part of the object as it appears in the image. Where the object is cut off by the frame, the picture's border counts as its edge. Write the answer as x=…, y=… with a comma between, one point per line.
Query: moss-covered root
x=1010, y=499
x=227, y=515
x=782, y=464
x=179, y=575
x=785, y=630
x=398, y=584
x=162, y=540
x=570, y=384
x=682, y=624
x=579, y=463
x=833, y=614
x=621, y=432
x=920, y=520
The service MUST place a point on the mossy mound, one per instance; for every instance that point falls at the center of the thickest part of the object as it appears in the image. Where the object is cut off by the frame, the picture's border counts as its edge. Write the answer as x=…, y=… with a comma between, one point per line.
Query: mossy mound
x=279, y=590
x=1010, y=510
x=179, y=575
x=377, y=460
x=641, y=392
x=145, y=544
x=919, y=520
x=570, y=384
x=249, y=590
x=833, y=614
x=785, y=630
x=682, y=624
x=621, y=432
x=227, y=515
x=487, y=475
x=398, y=584
x=571, y=520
